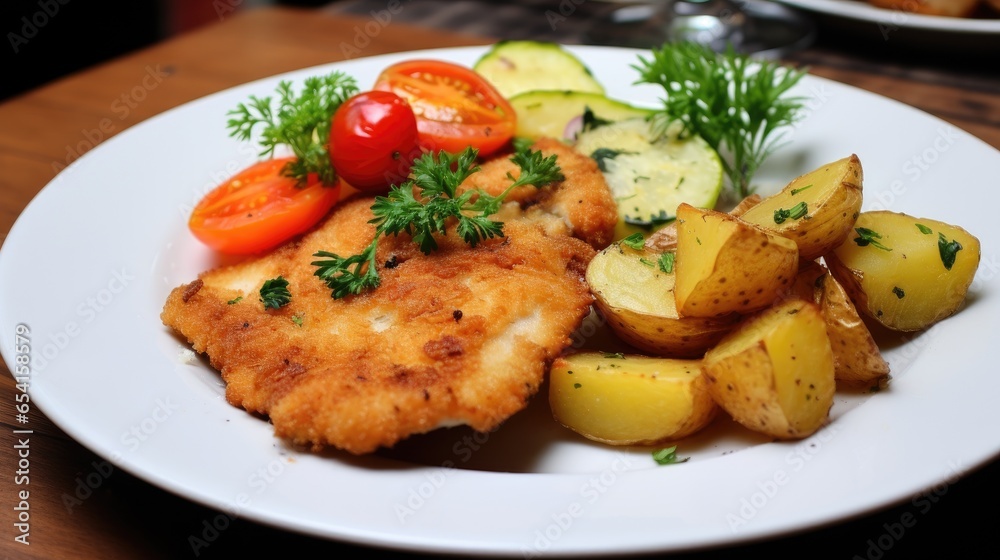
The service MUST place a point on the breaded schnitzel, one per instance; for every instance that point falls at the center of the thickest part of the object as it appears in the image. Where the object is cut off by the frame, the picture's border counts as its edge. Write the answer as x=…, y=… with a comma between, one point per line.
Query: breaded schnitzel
x=461, y=336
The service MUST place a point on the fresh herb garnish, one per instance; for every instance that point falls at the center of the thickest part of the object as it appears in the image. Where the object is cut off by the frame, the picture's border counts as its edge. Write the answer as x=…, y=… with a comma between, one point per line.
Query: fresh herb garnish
x=592, y=121
x=647, y=262
x=635, y=241
x=797, y=191
x=297, y=319
x=666, y=263
x=735, y=104
x=949, y=250
x=274, y=293
x=924, y=229
x=793, y=213
x=601, y=155
x=301, y=122
x=613, y=355
x=868, y=237
x=422, y=216
x=668, y=456
x=235, y=300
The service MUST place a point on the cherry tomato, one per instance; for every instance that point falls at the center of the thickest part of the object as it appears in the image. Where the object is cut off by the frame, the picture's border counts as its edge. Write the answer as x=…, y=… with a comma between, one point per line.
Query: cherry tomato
x=455, y=106
x=373, y=140
x=259, y=208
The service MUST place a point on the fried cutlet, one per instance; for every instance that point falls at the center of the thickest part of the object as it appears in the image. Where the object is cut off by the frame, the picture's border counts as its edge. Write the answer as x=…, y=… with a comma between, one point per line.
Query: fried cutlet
x=461, y=336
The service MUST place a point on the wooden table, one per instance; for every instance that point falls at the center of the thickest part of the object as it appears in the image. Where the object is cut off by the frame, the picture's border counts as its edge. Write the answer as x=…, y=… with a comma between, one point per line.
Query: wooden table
x=42, y=131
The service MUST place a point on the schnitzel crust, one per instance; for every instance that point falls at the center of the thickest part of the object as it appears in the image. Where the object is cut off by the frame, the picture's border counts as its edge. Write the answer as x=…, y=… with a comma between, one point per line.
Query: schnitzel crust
x=461, y=336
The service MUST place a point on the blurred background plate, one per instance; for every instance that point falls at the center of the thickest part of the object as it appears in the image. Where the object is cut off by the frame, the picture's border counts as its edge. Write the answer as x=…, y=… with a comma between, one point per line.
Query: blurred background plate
x=905, y=30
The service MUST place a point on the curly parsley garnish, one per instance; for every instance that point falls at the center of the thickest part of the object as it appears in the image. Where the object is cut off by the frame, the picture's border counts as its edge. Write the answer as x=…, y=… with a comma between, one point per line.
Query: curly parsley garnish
x=423, y=215
x=274, y=293
x=733, y=103
x=301, y=122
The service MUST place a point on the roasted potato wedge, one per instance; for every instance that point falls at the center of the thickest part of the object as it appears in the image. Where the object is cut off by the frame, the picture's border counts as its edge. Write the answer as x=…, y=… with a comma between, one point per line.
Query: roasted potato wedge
x=816, y=210
x=774, y=372
x=857, y=359
x=634, y=292
x=629, y=400
x=665, y=239
x=725, y=265
x=906, y=273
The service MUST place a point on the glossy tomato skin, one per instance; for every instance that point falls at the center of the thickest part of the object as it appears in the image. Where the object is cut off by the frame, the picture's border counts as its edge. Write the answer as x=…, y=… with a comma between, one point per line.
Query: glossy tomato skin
x=259, y=208
x=455, y=107
x=374, y=140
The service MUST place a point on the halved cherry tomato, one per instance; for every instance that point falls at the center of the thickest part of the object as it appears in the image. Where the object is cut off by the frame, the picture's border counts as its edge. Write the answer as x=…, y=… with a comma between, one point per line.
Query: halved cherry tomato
x=259, y=208
x=373, y=140
x=455, y=106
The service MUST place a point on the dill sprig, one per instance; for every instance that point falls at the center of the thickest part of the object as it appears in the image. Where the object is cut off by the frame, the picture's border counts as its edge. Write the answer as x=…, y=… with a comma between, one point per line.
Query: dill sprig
x=427, y=213
x=733, y=103
x=301, y=122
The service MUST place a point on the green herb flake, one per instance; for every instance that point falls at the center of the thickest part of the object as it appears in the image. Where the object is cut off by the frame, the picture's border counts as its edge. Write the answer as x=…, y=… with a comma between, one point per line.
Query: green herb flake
x=613, y=355
x=949, y=250
x=794, y=213
x=602, y=155
x=924, y=229
x=797, y=191
x=899, y=292
x=668, y=456
x=634, y=241
x=647, y=262
x=297, y=319
x=666, y=263
x=577, y=385
x=868, y=237
x=235, y=300
x=274, y=293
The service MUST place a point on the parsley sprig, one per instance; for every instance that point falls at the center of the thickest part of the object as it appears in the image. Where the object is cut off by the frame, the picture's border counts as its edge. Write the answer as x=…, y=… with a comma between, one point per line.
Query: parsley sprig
x=274, y=293
x=427, y=213
x=301, y=122
x=730, y=101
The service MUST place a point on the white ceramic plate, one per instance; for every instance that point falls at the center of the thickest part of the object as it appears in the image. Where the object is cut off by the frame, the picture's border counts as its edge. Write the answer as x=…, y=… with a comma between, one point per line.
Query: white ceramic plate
x=91, y=260
x=893, y=19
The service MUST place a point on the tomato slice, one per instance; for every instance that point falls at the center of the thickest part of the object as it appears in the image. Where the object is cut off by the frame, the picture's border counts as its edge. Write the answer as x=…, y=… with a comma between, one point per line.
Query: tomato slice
x=374, y=140
x=259, y=208
x=455, y=107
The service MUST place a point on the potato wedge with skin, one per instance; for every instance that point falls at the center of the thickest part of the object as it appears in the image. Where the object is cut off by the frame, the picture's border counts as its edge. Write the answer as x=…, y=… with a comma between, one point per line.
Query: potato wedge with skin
x=774, y=372
x=629, y=400
x=665, y=238
x=906, y=273
x=823, y=205
x=725, y=265
x=636, y=296
x=856, y=357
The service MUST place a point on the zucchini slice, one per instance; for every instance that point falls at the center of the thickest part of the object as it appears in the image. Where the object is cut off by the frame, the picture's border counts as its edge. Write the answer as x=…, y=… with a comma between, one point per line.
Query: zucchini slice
x=544, y=113
x=650, y=175
x=514, y=67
